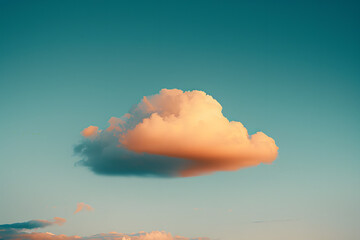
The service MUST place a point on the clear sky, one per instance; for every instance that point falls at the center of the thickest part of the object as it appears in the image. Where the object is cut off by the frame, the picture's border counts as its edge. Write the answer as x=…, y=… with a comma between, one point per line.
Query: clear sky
x=287, y=68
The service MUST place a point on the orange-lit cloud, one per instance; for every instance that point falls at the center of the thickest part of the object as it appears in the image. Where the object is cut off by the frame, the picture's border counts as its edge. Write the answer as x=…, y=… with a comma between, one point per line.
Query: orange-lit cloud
x=39, y=236
x=20, y=231
x=155, y=235
x=90, y=132
x=178, y=125
x=59, y=221
x=82, y=207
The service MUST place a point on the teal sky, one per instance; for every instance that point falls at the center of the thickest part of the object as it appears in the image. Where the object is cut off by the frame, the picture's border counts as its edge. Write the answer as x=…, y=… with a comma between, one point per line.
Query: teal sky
x=287, y=68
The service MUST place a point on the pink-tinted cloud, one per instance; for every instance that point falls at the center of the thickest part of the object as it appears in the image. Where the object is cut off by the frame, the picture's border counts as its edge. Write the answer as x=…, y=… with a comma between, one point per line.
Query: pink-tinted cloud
x=20, y=231
x=83, y=207
x=155, y=235
x=59, y=221
x=40, y=236
x=182, y=125
x=90, y=132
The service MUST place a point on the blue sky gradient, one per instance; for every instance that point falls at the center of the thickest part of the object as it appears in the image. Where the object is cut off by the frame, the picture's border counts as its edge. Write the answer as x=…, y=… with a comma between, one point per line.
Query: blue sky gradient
x=287, y=68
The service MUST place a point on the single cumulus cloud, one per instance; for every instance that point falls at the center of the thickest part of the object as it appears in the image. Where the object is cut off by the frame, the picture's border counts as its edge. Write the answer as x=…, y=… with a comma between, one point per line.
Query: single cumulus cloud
x=83, y=207
x=155, y=235
x=173, y=134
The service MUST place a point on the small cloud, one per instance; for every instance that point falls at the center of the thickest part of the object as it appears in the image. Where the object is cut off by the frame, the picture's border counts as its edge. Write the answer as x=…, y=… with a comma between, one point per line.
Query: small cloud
x=90, y=132
x=273, y=220
x=83, y=207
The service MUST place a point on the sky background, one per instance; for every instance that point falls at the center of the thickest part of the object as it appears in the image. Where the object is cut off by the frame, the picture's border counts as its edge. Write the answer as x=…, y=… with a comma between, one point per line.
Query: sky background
x=287, y=68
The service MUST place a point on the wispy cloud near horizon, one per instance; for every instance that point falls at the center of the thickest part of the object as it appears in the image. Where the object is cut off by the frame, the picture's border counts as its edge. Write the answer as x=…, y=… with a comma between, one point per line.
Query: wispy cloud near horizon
x=154, y=235
x=33, y=224
x=20, y=231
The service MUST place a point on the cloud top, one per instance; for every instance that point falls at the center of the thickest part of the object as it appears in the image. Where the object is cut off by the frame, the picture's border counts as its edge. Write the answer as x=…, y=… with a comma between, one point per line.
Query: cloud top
x=90, y=132
x=183, y=133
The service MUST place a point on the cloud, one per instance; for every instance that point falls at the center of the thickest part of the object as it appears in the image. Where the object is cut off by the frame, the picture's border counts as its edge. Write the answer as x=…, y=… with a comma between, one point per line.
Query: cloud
x=155, y=235
x=90, y=132
x=173, y=134
x=20, y=231
x=274, y=220
x=82, y=207
x=33, y=224
x=18, y=235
